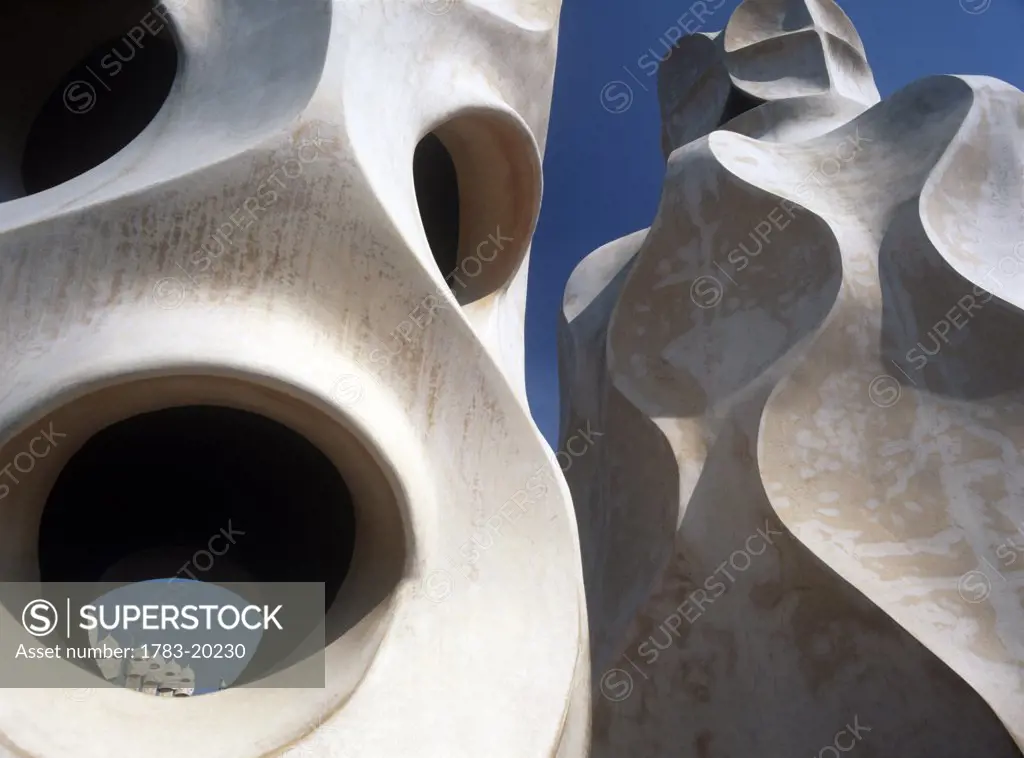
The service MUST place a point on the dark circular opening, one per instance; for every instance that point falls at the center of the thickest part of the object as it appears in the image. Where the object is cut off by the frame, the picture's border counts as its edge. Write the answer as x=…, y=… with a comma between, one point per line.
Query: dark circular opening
x=198, y=492
x=102, y=104
x=437, y=193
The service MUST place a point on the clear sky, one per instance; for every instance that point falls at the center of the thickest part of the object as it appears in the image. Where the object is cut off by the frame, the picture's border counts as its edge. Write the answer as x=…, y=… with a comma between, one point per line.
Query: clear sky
x=603, y=170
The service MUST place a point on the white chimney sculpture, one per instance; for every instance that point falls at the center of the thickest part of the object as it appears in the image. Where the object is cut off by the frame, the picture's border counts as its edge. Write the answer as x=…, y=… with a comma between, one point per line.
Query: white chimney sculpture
x=801, y=529
x=314, y=216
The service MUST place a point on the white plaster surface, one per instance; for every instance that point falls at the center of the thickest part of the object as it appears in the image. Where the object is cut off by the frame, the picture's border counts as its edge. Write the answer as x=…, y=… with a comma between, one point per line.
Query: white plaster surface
x=103, y=316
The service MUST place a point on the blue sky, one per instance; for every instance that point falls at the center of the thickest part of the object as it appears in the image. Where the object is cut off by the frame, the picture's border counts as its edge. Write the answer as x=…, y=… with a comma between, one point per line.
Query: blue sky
x=603, y=171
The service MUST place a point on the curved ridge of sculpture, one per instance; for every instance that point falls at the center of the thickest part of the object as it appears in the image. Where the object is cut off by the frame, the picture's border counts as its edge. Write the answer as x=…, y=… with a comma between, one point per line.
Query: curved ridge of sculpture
x=799, y=65
x=948, y=509
x=259, y=246
x=797, y=48
x=785, y=536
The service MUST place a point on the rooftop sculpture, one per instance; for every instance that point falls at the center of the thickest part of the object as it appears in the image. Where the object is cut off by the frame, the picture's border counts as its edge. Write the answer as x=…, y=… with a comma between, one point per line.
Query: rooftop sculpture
x=812, y=413
x=261, y=320
x=262, y=290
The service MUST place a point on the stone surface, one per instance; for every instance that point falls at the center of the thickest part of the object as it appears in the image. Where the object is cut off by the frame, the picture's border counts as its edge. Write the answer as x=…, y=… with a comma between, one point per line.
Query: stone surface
x=800, y=529
x=259, y=245
x=799, y=66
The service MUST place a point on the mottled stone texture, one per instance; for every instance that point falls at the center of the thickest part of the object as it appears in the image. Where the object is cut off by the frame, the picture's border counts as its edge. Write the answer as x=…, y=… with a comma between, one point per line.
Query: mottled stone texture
x=800, y=527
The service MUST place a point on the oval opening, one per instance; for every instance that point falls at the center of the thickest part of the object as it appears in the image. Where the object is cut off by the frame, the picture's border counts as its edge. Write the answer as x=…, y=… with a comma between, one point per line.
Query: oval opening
x=202, y=493
x=160, y=494
x=131, y=480
x=106, y=72
x=477, y=183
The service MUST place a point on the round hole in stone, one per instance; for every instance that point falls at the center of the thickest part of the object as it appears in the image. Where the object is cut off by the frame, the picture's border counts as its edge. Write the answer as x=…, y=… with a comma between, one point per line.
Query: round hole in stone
x=160, y=494
x=104, y=99
x=477, y=184
x=374, y=553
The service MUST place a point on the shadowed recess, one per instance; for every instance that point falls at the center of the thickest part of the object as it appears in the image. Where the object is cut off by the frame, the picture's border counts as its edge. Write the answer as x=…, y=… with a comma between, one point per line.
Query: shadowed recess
x=739, y=102
x=477, y=181
x=145, y=497
x=437, y=193
x=101, y=104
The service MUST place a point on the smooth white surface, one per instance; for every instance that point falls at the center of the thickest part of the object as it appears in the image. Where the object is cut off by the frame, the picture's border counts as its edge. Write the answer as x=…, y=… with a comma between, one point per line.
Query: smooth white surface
x=471, y=651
